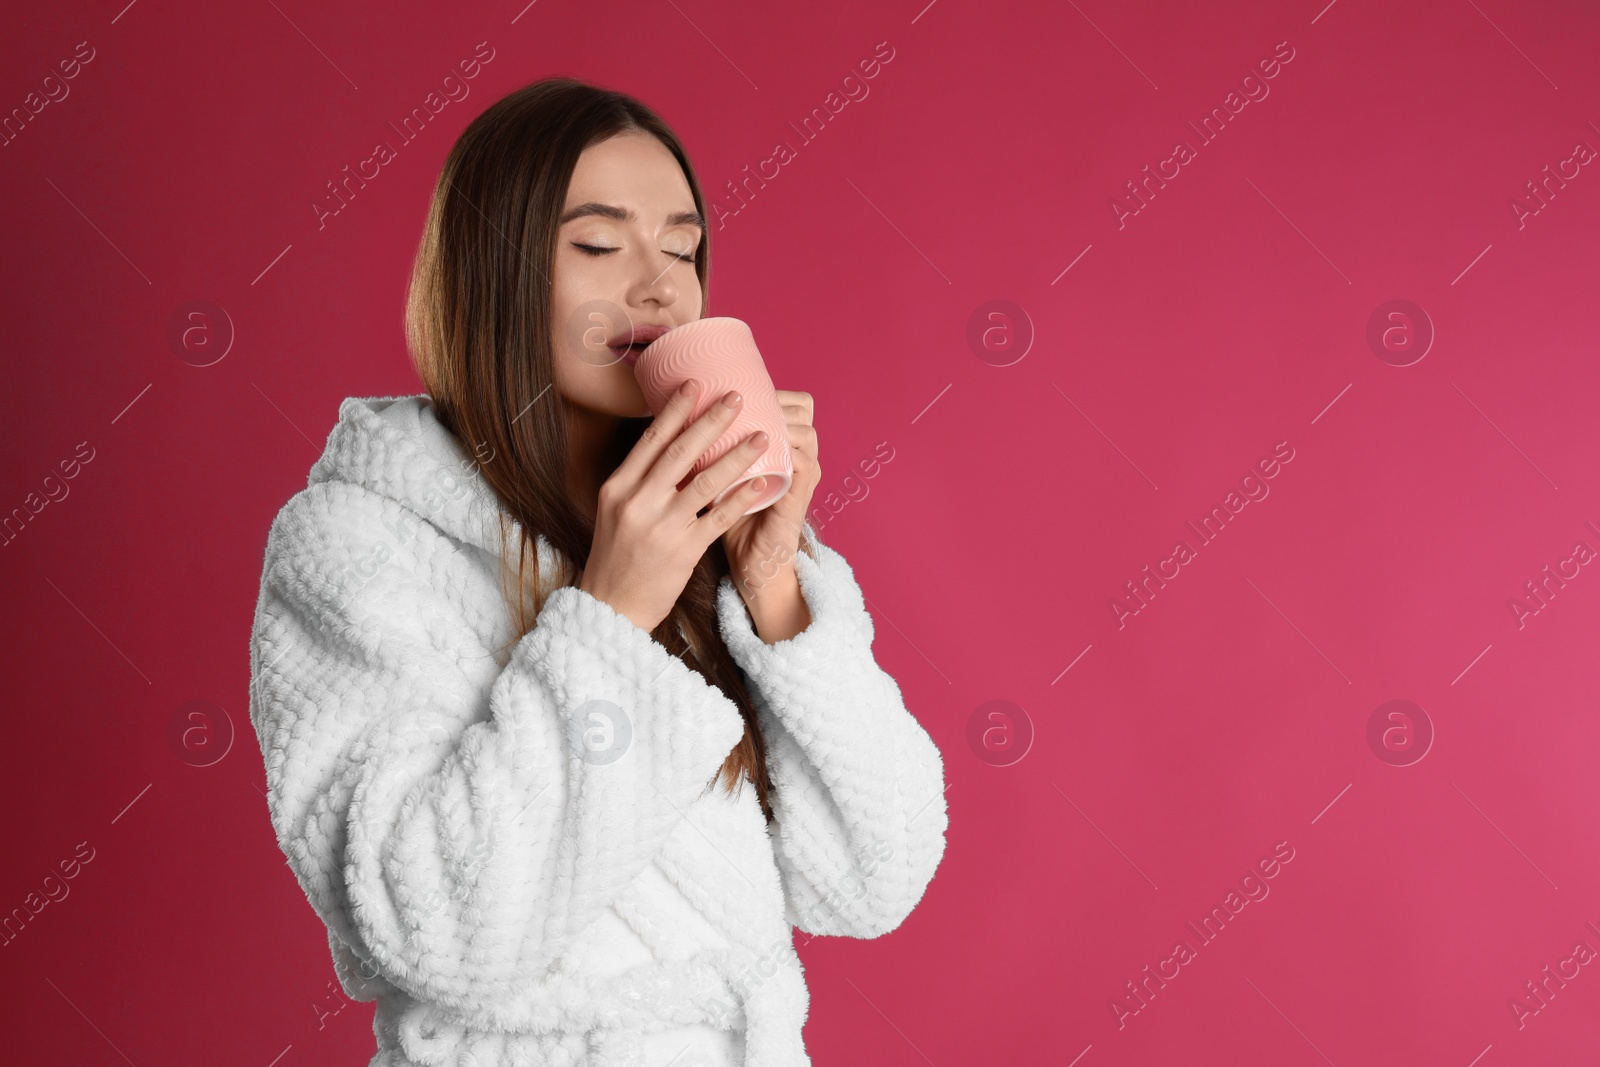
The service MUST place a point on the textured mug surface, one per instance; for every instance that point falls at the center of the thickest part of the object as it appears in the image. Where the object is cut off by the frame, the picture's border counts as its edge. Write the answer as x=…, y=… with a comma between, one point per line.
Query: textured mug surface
x=720, y=353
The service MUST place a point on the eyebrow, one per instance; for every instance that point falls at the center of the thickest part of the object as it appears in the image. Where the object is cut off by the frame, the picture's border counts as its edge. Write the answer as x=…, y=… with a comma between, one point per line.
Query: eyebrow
x=609, y=211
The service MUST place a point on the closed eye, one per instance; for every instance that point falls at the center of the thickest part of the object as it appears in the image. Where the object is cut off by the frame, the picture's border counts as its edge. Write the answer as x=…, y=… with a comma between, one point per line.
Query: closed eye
x=595, y=250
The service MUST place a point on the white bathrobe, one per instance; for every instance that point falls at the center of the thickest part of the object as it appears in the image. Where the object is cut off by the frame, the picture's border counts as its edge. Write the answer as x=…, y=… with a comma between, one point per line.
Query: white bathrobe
x=518, y=854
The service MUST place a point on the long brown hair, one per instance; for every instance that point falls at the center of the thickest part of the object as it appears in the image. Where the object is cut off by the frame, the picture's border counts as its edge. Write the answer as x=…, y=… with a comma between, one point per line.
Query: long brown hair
x=478, y=325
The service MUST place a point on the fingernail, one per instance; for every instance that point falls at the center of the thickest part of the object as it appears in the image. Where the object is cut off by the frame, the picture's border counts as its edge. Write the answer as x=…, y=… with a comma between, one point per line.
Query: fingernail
x=690, y=387
x=759, y=438
x=732, y=400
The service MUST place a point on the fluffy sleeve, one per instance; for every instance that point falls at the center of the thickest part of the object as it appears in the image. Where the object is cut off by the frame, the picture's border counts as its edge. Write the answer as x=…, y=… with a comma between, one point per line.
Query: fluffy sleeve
x=858, y=785
x=453, y=821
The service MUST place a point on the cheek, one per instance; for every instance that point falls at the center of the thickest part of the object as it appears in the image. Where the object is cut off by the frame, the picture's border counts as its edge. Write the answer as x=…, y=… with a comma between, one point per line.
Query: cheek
x=565, y=297
x=586, y=309
x=577, y=337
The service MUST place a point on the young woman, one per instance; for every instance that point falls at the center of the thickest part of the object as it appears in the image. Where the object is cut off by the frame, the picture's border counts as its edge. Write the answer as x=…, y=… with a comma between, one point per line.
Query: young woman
x=505, y=651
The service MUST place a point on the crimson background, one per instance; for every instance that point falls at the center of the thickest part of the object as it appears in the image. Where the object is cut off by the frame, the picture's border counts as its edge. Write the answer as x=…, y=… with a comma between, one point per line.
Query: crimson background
x=1228, y=315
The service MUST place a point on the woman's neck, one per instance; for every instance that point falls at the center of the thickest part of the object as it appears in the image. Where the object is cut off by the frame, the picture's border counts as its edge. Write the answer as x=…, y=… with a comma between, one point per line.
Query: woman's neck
x=588, y=435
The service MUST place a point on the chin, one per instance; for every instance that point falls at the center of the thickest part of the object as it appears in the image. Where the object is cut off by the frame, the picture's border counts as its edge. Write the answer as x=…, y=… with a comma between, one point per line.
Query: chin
x=627, y=402
x=635, y=401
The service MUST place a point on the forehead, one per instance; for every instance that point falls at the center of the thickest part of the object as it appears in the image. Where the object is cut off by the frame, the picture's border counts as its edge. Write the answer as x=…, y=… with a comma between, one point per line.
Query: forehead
x=632, y=171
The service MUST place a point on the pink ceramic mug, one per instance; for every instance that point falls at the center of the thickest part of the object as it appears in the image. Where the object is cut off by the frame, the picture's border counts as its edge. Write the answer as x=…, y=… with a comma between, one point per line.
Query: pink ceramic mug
x=720, y=353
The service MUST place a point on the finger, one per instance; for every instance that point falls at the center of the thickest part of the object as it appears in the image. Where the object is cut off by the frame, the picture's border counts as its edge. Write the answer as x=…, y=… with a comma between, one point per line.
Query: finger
x=720, y=518
x=661, y=432
x=802, y=440
x=685, y=450
x=788, y=398
x=704, y=487
x=802, y=437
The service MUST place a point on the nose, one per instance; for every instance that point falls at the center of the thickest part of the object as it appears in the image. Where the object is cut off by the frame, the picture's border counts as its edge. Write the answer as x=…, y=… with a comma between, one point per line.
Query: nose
x=652, y=280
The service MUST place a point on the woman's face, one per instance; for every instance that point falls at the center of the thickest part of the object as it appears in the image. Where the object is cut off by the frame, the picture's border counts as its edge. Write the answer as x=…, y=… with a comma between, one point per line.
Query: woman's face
x=630, y=205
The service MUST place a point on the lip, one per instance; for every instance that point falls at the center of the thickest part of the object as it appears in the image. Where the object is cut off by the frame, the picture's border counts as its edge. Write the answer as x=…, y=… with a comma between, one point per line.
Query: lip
x=641, y=335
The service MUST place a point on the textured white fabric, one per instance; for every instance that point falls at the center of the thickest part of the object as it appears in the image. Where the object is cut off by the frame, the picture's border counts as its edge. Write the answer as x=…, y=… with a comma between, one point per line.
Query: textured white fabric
x=504, y=897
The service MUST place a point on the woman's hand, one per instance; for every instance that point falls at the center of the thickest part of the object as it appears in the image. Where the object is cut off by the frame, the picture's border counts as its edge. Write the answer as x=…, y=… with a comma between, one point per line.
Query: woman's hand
x=761, y=547
x=648, y=533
